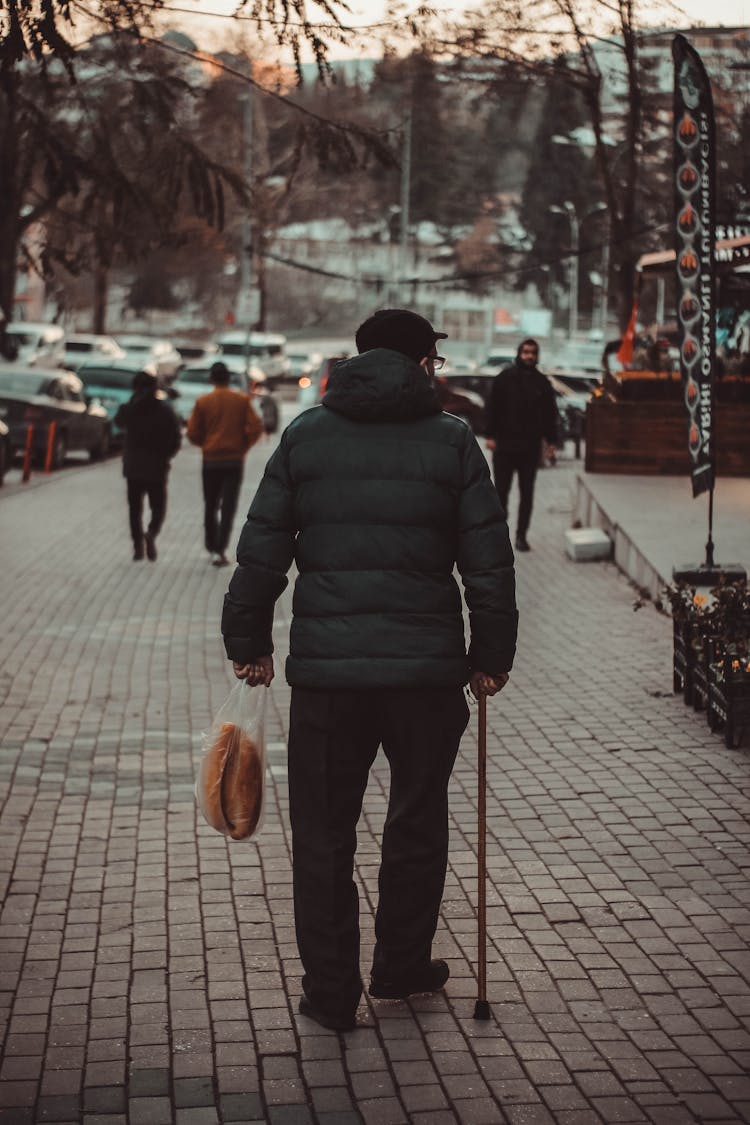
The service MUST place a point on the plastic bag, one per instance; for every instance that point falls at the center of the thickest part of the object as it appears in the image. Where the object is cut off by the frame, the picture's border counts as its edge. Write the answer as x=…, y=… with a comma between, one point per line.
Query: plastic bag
x=230, y=789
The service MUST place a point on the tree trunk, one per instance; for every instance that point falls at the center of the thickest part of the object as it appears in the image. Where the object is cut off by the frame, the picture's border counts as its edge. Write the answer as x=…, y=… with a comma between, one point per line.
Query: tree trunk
x=10, y=226
x=101, y=292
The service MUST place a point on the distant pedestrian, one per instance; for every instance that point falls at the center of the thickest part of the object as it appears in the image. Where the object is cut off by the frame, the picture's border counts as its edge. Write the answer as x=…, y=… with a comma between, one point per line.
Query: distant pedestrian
x=224, y=425
x=376, y=495
x=152, y=438
x=521, y=428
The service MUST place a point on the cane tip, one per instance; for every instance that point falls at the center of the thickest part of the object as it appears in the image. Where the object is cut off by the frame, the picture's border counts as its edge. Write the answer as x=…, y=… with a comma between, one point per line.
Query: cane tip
x=481, y=1010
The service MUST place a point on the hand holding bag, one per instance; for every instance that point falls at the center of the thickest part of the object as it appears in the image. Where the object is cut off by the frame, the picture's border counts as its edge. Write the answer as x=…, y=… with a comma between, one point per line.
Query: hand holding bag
x=230, y=789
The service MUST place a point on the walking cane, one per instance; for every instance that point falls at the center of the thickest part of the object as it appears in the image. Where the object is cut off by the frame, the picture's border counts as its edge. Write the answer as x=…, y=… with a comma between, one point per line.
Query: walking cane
x=482, y=1008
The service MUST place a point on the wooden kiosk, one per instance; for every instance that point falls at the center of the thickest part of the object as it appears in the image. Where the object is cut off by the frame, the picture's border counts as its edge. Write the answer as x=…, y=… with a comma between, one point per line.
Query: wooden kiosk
x=636, y=422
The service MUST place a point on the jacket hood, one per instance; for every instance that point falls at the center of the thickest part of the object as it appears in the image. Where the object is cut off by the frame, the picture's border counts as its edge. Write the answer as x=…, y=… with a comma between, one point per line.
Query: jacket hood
x=381, y=385
x=143, y=400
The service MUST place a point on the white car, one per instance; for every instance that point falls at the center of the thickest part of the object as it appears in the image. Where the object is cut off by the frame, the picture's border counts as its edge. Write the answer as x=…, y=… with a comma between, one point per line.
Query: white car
x=195, y=380
x=89, y=348
x=37, y=345
x=161, y=355
x=266, y=350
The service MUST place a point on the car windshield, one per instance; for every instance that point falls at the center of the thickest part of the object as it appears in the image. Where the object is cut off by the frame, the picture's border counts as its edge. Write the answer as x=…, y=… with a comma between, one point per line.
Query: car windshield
x=79, y=346
x=19, y=382
x=202, y=375
x=250, y=349
x=23, y=338
x=107, y=377
x=194, y=375
x=136, y=347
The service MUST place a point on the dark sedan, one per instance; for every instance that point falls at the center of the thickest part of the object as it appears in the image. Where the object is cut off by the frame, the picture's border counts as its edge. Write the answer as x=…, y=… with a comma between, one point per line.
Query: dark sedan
x=31, y=397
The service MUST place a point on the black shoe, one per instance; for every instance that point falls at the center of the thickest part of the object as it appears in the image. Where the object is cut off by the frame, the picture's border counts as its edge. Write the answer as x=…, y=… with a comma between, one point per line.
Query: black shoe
x=138, y=551
x=522, y=543
x=150, y=547
x=431, y=979
x=221, y=560
x=333, y=1023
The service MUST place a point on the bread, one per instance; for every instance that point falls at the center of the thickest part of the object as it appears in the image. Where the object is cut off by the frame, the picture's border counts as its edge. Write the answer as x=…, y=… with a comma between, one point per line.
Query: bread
x=230, y=787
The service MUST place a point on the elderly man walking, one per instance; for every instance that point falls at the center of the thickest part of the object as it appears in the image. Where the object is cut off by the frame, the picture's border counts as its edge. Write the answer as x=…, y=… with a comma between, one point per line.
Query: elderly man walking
x=375, y=495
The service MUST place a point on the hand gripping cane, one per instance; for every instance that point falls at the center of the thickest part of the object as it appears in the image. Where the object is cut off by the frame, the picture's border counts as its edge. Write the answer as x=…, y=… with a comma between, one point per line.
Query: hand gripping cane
x=482, y=1008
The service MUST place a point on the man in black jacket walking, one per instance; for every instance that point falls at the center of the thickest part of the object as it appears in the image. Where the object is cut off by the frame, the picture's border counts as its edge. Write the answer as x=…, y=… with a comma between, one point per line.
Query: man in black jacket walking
x=375, y=495
x=521, y=414
x=152, y=437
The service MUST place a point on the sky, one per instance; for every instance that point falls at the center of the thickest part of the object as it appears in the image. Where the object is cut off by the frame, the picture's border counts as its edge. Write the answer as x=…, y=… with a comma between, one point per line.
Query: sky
x=212, y=30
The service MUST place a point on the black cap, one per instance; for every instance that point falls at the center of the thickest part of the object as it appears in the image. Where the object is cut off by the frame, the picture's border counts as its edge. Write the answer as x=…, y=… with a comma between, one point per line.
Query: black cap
x=400, y=330
x=219, y=373
x=145, y=381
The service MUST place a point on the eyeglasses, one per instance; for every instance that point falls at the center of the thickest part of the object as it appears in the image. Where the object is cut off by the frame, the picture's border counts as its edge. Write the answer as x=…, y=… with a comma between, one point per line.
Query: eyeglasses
x=437, y=361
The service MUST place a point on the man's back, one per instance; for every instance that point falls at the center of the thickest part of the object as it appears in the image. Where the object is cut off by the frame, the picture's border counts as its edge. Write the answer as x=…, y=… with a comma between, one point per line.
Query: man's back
x=378, y=494
x=224, y=424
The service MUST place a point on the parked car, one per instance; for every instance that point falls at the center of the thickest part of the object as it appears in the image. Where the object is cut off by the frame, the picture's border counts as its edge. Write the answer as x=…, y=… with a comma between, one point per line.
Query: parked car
x=194, y=381
x=571, y=404
x=37, y=345
x=159, y=355
x=302, y=365
x=460, y=401
x=33, y=397
x=500, y=358
x=89, y=348
x=458, y=365
x=571, y=409
x=6, y=451
x=193, y=351
x=266, y=350
x=111, y=384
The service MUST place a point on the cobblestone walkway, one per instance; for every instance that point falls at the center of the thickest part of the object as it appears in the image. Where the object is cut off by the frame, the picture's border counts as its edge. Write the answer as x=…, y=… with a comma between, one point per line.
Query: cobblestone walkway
x=149, y=973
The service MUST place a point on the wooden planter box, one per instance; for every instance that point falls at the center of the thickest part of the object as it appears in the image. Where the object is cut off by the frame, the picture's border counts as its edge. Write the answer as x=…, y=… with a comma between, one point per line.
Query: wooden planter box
x=651, y=437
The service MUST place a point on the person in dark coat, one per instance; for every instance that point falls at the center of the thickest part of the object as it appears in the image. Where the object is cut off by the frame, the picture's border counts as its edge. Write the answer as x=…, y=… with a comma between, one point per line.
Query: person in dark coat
x=521, y=414
x=375, y=495
x=152, y=437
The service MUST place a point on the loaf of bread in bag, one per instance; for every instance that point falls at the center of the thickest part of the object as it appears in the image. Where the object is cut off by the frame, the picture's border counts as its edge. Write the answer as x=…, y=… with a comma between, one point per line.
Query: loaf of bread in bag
x=232, y=783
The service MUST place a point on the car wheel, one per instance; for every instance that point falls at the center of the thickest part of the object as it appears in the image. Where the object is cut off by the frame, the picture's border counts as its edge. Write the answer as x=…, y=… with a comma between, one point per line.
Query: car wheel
x=101, y=449
x=59, y=451
x=5, y=458
x=270, y=414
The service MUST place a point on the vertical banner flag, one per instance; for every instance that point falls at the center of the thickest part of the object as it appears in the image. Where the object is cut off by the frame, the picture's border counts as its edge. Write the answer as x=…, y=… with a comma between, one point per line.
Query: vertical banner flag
x=695, y=222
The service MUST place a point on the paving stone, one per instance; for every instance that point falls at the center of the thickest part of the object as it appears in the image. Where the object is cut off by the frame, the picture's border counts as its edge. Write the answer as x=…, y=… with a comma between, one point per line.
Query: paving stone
x=617, y=903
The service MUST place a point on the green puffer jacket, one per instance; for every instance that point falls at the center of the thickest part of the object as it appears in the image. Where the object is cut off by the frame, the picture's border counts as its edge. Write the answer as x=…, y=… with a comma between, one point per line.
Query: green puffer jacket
x=376, y=495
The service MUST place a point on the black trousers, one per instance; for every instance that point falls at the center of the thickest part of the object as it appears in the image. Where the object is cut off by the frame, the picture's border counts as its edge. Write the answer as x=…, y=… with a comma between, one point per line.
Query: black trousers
x=333, y=739
x=524, y=462
x=157, y=502
x=221, y=490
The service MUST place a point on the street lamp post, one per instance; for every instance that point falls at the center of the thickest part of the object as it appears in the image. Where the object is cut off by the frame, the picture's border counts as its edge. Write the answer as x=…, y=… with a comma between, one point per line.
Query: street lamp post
x=569, y=209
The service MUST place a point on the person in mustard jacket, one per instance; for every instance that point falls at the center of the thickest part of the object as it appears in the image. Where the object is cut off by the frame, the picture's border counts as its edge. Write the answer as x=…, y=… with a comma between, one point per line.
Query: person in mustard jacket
x=224, y=425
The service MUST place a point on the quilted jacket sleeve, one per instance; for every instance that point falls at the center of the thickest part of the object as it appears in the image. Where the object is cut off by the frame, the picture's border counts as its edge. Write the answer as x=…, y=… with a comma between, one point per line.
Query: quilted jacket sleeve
x=264, y=555
x=485, y=561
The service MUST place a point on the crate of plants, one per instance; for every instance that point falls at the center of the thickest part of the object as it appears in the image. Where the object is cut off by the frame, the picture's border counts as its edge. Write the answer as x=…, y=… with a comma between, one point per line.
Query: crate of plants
x=728, y=706
x=728, y=701
x=689, y=610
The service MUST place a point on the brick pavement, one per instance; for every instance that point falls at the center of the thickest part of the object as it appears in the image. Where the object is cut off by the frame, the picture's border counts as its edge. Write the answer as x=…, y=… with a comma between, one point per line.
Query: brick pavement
x=149, y=972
